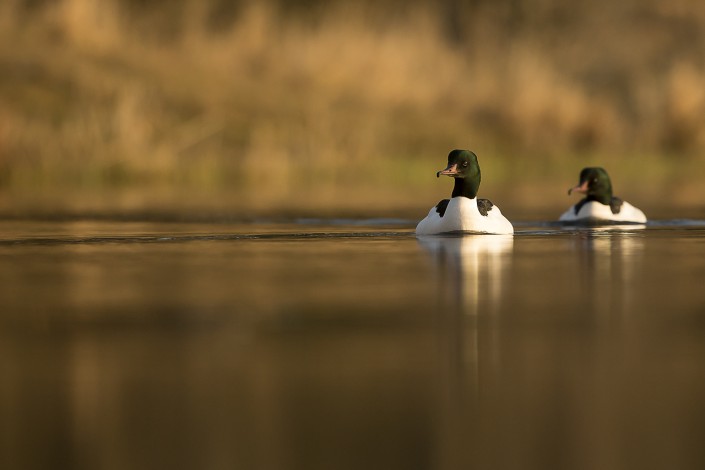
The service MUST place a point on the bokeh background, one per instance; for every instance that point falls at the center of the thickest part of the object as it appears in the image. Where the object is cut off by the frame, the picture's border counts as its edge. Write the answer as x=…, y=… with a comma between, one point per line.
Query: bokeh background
x=215, y=108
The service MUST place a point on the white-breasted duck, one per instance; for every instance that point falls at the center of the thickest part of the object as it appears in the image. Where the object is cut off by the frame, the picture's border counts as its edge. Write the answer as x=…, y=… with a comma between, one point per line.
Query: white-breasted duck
x=599, y=205
x=463, y=212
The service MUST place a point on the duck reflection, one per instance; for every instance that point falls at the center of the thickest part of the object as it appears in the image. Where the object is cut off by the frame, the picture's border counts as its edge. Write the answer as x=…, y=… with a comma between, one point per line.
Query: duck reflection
x=472, y=277
x=609, y=260
x=471, y=269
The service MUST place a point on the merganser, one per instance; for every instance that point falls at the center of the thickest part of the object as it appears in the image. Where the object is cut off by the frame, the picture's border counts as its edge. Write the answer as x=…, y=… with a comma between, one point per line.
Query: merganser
x=599, y=205
x=464, y=212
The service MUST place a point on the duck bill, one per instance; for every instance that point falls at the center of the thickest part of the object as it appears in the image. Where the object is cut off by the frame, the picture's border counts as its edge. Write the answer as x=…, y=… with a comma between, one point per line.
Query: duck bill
x=451, y=170
x=581, y=188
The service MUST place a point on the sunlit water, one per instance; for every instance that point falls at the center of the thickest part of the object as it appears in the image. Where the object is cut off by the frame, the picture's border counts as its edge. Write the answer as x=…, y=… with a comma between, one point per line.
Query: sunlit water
x=347, y=344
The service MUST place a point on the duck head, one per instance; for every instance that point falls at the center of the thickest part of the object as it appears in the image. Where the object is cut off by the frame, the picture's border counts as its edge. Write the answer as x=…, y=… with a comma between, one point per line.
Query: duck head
x=463, y=166
x=595, y=184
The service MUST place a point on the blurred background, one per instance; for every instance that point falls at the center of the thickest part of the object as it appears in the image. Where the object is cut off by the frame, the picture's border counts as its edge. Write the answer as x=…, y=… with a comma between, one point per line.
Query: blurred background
x=222, y=108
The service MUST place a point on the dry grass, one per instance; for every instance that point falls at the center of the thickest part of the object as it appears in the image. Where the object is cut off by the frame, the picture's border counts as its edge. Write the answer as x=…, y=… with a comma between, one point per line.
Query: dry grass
x=172, y=107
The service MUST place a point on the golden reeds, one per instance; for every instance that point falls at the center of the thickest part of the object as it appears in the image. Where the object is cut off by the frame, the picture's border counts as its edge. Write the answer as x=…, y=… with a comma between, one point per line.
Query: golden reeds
x=100, y=94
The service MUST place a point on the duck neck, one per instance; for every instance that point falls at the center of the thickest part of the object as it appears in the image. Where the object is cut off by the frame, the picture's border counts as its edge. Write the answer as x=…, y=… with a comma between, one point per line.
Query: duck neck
x=603, y=197
x=465, y=187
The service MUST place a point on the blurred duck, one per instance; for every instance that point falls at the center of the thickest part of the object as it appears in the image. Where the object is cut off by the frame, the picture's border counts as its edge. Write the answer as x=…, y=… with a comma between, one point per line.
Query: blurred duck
x=464, y=212
x=599, y=205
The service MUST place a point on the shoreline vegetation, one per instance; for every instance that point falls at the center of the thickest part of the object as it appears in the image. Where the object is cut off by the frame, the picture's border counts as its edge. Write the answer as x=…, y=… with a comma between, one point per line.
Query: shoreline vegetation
x=213, y=105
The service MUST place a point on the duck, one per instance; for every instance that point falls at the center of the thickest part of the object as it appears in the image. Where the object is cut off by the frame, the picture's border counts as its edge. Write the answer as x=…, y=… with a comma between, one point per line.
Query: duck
x=464, y=212
x=599, y=205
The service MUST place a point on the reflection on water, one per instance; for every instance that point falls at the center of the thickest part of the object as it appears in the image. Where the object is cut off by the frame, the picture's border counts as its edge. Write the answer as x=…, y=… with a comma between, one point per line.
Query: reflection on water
x=472, y=277
x=471, y=267
x=562, y=362
x=610, y=259
x=167, y=346
x=178, y=348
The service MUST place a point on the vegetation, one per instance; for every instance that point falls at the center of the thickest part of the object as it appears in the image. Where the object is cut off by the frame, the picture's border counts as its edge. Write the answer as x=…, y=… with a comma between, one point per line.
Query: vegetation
x=312, y=105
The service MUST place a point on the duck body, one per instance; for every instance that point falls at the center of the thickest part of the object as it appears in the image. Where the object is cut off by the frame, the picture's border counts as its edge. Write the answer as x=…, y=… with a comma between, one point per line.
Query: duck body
x=598, y=205
x=596, y=212
x=464, y=212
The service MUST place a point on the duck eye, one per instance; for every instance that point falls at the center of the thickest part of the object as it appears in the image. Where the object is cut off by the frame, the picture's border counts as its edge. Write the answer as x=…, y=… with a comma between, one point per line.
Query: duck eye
x=465, y=164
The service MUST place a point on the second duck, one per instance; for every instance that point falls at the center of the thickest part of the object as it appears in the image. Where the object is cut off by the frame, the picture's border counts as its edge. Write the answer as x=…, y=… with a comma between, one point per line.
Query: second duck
x=599, y=205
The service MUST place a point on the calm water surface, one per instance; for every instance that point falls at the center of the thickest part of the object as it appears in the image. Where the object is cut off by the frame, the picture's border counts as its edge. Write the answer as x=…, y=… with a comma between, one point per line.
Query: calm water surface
x=345, y=344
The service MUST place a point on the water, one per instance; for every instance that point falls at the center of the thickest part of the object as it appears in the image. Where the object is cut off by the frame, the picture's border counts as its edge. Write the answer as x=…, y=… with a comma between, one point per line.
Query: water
x=346, y=344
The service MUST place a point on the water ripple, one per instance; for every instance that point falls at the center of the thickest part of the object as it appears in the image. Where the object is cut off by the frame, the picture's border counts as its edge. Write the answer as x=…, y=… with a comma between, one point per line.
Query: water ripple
x=334, y=228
